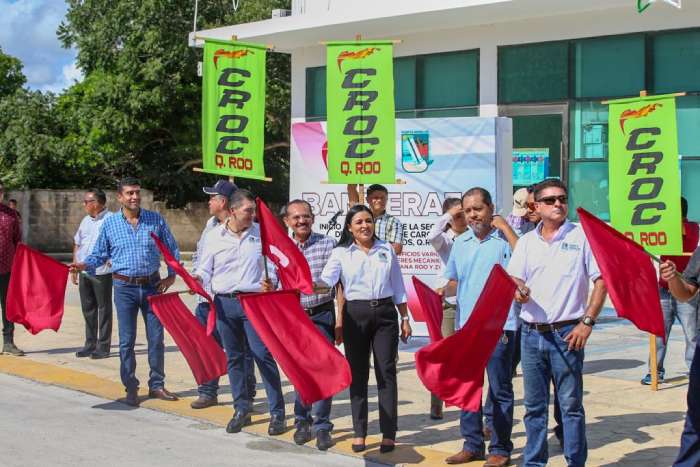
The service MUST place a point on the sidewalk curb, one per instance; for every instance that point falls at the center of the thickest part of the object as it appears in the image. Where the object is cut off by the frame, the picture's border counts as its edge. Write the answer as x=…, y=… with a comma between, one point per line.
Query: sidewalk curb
x=23, y=367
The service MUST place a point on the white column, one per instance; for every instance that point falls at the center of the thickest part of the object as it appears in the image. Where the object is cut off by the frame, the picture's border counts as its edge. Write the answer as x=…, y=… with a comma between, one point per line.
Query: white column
x=488, y=80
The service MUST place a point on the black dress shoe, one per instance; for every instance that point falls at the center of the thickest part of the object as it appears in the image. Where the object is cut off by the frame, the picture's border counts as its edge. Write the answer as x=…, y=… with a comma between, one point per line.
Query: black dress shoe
x=132, y=397
x=384, y=448
x=303, y=435
x=323, y=440
x=277, y=426
x=238, y=421
x=162, y=394
x=358, y=447
x=98, y=355
x=84, y=352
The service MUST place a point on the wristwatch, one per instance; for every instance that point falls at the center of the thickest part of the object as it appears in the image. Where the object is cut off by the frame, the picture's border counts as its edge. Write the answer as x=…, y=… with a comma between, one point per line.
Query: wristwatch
x=404, y=318
x=588, y=321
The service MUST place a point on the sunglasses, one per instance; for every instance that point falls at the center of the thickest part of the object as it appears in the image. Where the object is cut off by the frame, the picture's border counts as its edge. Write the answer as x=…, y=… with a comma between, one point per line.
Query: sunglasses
x=550, y=200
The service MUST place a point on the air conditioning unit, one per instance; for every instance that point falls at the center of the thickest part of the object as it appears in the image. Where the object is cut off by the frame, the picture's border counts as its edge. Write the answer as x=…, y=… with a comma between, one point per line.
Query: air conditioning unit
x=281, y=13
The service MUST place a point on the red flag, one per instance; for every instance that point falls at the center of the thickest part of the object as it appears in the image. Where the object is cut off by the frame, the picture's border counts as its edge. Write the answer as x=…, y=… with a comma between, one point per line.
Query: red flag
x=628, y=274
x=190, y=281
x=204, y=356
x=453, y=368
x=292, y=267
x=36, y=290
x=313, y=365
x=431, y=303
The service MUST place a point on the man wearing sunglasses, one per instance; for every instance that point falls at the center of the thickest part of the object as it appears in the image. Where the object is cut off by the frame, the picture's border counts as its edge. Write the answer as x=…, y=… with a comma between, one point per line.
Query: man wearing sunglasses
x=553, y=266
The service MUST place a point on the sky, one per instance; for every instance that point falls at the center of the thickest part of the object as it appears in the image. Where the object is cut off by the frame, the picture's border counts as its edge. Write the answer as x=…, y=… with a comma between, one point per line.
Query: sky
x=28, y=32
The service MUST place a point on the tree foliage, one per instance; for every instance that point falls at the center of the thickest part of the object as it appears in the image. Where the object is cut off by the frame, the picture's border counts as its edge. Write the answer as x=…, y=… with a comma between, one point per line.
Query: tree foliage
x=138, y=109
x=11, y=76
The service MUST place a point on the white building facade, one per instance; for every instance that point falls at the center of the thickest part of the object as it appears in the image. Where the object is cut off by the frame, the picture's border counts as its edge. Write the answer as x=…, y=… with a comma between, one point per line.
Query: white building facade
x=548, y=64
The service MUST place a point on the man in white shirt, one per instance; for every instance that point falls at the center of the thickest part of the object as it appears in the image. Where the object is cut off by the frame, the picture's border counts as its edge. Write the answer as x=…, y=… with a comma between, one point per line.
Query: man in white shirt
x=219, y=195
x=553, y=266
x=95, y=290
x=232, y=263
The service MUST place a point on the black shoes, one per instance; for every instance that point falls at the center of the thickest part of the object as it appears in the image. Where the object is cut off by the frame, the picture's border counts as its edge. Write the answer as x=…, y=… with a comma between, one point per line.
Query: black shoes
x=98, y=355
x=132, y=397
x=385, y=448
x=238, y=421
x=277, y=425
x=84, y=352
x=303, y=435
x=323, y=440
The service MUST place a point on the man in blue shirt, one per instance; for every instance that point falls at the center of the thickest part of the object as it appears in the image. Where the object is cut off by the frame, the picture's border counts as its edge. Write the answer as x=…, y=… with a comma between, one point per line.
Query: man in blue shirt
x=488, y=242
x=125, y=239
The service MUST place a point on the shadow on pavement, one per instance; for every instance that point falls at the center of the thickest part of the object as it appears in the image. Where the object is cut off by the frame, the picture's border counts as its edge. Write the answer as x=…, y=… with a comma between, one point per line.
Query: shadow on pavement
x=114, y=405
x=663, y=455
x=607, y=364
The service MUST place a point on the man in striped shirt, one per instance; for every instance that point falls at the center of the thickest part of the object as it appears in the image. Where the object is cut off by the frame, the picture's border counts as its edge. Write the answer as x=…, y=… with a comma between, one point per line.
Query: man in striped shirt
x=317, y=248
x=386, y=227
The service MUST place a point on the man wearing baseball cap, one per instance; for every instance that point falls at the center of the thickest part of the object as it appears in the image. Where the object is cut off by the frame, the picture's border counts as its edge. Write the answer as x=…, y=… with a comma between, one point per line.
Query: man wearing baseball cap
x=219, y=196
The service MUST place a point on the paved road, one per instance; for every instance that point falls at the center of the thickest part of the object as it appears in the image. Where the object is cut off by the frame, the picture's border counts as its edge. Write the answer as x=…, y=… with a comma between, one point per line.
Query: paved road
x=47, y=425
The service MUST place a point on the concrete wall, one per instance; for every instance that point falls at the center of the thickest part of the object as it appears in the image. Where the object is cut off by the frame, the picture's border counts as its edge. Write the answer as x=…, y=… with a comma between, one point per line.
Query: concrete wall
x=50, y=218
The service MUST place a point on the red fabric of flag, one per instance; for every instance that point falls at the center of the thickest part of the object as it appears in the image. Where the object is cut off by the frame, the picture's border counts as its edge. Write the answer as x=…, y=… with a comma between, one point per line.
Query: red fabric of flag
x=292, y=268
x=204, y=356
x=190, y=281
x=628, y=274
x=313, y=365
x=431, y=304
x=36, y=290
x=453, y=368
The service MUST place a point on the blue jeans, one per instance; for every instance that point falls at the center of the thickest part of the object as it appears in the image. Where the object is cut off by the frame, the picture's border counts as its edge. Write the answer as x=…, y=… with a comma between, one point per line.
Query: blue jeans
x=500, y=398
x=321, y=410
x=128, y=299
x=689, y=454
x=687, y=314
x=234, y=330
x=211, y=388
x=545, y=357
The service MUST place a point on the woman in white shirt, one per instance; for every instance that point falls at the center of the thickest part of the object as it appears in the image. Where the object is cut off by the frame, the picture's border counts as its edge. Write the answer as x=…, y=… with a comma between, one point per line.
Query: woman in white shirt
x=449, y=226
x=373, y=288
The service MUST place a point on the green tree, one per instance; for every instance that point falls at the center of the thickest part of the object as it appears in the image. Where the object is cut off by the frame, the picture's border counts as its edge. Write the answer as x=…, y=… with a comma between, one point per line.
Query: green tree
x=11, y=76
x=138, y=110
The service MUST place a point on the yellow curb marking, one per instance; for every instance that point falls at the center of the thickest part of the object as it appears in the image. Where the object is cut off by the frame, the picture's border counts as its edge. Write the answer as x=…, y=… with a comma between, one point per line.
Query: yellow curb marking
x=220, y=415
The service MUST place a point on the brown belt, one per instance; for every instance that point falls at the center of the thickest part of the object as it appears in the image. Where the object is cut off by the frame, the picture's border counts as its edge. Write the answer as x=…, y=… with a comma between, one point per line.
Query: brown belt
x=137, y=280
x=549, y=327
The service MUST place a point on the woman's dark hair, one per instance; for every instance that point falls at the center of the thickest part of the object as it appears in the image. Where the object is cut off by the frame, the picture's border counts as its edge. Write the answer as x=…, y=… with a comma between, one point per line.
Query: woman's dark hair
x=346, y=238
x=449, y=203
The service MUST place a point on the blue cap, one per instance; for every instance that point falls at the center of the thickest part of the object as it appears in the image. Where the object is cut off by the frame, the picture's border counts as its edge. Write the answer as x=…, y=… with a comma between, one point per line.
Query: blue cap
x=221, y=187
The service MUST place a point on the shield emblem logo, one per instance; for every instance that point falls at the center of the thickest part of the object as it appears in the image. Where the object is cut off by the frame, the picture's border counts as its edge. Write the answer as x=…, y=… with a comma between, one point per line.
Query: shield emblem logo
x=415, y=151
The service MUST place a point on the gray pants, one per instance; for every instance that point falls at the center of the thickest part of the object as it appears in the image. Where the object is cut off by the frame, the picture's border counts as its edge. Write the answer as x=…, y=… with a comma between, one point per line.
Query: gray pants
x=96, y=302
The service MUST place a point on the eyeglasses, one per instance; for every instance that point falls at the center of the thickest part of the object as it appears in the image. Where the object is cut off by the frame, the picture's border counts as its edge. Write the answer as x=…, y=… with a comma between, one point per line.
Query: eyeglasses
x=530, y=206
x=88, y=201
x=550, y=200
x=300, y=217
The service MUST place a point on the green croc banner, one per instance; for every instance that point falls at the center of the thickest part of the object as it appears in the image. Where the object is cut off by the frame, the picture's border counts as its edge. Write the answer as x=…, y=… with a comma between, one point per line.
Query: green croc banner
x=360, y=103
x=233, y=109
x=645, y=185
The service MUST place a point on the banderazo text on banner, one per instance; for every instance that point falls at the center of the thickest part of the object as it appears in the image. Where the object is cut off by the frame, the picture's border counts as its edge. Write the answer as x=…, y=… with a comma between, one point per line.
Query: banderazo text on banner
x=360, y=108
x=645, y=193
x=233, y=109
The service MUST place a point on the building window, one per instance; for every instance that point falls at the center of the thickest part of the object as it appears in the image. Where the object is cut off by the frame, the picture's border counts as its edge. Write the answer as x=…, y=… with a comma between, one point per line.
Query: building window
x=609, y=66
x=435, y=85
x=533, y=73
x=676, y=59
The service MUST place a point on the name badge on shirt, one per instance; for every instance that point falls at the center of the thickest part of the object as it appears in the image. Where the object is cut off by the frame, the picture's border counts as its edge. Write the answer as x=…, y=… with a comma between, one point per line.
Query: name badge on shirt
x=383, y=257
x=570, y=247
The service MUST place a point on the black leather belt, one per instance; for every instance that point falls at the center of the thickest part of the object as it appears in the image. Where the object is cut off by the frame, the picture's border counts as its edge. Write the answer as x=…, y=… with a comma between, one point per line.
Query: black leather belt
x=549, y=327
x=137, y=280
x=319, y=308
x=230, y=295
x=374, y=303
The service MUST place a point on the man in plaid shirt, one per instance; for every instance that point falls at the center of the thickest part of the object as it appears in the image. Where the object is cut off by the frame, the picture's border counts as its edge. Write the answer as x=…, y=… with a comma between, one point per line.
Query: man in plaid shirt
x=386, y=227
x=316, y=248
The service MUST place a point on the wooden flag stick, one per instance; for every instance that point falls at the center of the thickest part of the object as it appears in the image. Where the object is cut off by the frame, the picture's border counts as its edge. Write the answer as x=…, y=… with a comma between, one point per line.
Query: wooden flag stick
x=653, y=366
